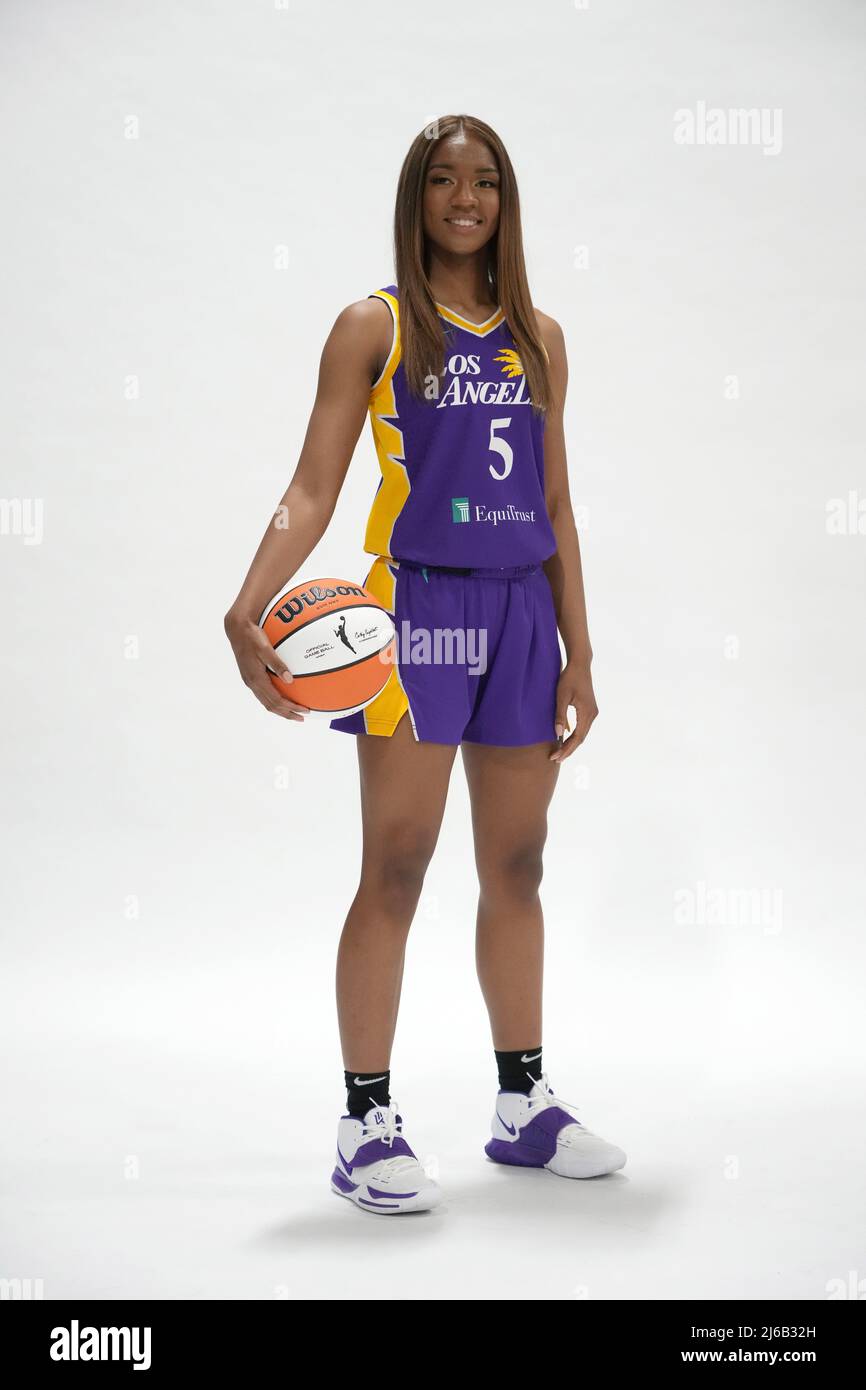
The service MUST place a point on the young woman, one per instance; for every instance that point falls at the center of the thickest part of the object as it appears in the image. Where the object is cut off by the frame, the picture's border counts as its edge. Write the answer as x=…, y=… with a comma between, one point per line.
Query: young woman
x=475, y=545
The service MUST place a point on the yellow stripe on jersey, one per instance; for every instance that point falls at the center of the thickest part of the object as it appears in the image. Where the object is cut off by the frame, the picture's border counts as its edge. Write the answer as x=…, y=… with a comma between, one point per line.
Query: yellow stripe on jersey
x=384, y=713
x=394, y=489
x=479, y=329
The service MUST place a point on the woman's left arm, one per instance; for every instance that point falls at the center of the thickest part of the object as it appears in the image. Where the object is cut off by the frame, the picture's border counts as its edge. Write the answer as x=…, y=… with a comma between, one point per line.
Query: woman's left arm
x=563, y=569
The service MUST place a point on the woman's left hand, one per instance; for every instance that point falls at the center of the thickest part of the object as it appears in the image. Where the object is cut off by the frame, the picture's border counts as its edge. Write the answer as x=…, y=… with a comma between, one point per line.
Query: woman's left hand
x=574, y=688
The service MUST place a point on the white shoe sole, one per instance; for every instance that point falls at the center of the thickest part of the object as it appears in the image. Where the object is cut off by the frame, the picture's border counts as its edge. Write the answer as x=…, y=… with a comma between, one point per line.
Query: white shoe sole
x=565, y=1163
x=380, y=1204
x=572, y=1168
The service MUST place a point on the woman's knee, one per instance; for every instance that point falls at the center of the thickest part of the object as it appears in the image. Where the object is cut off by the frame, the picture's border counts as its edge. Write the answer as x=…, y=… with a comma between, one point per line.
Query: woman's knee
x=394, y=871
x=514, y=872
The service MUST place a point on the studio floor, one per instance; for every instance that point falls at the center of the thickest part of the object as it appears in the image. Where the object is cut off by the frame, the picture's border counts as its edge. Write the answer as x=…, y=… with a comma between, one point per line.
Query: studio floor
x=138, y=1169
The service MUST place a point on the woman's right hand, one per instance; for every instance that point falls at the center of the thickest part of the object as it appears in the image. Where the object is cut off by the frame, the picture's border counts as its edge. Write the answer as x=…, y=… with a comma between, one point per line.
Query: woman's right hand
x=254, y=654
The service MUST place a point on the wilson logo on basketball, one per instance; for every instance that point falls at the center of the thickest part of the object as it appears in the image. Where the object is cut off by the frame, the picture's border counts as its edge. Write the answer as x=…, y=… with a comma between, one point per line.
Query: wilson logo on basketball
x=309, y=598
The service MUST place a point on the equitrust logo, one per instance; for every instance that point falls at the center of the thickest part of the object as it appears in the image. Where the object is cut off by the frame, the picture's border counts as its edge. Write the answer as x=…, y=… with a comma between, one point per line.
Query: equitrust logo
x=462, y=512
x=77, y=1343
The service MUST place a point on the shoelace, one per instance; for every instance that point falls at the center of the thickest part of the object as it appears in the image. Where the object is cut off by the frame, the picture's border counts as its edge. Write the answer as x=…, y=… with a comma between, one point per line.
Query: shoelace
x=400, y=1163
x=548, y=1097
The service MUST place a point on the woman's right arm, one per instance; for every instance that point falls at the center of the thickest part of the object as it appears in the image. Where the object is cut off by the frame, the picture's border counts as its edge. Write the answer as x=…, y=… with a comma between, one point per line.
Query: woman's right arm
x=353, y=356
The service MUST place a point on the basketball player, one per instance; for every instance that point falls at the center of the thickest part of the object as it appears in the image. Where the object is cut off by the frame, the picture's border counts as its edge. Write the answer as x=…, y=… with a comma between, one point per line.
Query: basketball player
x=471, y=528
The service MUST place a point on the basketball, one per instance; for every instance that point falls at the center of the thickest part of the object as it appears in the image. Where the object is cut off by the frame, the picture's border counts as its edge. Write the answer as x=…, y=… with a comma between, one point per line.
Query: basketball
x=338, y=642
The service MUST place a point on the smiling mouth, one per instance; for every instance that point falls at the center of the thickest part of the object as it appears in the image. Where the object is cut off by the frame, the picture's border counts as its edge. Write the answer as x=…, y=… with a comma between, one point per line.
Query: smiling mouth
x=463, y=221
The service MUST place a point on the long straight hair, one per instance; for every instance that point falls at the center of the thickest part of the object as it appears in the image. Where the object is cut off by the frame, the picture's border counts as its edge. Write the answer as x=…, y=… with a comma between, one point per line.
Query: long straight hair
x=423, y=338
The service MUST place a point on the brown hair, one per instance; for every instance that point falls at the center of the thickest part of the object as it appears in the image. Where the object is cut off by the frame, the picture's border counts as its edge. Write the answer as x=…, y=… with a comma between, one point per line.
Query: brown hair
x=423, y=338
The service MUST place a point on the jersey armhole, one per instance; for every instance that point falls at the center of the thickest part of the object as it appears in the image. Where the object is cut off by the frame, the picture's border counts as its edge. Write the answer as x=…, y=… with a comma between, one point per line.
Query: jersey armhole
x=394, y=352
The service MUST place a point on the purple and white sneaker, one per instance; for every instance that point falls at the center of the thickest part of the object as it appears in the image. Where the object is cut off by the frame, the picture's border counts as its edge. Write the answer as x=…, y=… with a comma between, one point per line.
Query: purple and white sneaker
x=540, y=1131
x=375, y=1167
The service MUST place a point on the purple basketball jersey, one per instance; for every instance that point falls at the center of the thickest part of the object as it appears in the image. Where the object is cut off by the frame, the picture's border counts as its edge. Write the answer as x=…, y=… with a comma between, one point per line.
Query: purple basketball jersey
x=463, y=468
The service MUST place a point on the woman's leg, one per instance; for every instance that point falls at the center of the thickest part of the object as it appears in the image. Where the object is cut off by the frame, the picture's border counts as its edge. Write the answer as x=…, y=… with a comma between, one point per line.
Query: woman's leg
x=404, y=785
x=510, y=790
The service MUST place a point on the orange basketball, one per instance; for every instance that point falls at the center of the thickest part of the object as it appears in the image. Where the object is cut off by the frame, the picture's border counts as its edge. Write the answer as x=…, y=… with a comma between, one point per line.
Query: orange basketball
x=336, y=639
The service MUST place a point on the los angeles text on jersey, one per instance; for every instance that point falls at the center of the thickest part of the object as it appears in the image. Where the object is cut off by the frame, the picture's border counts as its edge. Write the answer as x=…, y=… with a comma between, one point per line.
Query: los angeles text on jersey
x=464, y=388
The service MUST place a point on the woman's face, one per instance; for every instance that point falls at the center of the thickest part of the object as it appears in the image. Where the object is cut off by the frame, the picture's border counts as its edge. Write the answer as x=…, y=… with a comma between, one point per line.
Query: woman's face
x=461, y=195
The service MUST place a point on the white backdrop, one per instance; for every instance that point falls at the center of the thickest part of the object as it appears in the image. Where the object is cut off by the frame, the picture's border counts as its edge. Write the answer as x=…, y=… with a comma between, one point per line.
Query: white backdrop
x=194, y=191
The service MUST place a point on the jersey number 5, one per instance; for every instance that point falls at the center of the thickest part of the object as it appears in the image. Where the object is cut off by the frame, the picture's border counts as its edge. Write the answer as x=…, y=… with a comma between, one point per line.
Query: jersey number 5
x=501, y=447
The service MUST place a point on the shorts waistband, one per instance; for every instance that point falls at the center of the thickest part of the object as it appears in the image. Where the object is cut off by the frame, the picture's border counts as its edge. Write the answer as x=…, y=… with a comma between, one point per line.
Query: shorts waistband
x=471, y=571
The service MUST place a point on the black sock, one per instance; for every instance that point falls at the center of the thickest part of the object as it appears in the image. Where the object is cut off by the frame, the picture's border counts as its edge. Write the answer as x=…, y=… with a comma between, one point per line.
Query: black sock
x=519, y=1070
x=364, y=1089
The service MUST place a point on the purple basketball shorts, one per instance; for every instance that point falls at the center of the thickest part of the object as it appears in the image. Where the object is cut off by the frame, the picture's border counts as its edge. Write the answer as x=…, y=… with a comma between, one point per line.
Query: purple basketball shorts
x=478, y=655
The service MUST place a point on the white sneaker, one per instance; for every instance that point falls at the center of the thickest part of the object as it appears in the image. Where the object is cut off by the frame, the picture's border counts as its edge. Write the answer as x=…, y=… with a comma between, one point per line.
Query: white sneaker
x=540, y=1131
x=375, y=1167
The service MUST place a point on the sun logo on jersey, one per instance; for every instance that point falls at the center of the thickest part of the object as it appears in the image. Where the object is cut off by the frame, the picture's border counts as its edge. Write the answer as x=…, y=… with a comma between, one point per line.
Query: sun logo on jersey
x=513, y=365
